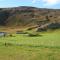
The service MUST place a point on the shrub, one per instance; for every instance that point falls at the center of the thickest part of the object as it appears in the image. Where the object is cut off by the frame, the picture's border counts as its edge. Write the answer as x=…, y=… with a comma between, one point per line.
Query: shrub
x=33, y=34
x=21, y=32
x=54, y=26
x=11, y=35
x=8, y=44
x=41, y=29
x=29, y=29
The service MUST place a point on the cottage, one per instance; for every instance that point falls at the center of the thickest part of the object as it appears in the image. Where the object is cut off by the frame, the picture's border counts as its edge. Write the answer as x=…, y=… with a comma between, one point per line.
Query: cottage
x=3, y=34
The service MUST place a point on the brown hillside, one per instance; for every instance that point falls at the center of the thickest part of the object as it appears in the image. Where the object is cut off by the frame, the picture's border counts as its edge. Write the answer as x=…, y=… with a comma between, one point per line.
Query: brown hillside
x=28, y=16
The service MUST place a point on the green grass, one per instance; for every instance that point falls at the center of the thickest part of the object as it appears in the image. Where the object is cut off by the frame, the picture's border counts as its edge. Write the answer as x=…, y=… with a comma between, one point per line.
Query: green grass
x=23, y=47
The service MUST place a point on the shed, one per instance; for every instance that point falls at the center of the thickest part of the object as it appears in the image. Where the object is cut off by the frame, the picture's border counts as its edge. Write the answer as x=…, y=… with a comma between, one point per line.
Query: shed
x=3, y=33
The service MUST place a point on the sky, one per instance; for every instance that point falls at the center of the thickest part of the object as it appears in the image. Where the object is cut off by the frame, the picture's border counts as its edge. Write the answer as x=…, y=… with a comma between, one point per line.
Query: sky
x=35, y=3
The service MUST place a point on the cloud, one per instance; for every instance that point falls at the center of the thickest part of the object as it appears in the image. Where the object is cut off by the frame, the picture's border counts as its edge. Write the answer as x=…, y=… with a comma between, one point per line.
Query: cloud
x=51, y=2
x=2, y=0
x=47, y=2
x=34, y=1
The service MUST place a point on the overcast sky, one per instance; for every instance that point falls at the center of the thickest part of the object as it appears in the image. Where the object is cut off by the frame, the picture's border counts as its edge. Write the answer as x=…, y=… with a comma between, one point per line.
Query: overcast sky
x=35, y=3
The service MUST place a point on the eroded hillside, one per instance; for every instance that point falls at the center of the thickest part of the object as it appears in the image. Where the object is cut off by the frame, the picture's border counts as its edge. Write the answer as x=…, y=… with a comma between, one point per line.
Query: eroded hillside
x=28, y=16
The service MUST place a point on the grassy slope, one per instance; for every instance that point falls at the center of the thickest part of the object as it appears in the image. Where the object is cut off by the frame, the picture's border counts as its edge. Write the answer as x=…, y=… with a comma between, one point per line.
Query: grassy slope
x=46, y=47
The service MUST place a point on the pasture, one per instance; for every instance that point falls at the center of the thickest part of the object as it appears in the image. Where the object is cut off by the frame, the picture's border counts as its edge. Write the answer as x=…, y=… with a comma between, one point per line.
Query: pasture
x=23, y=47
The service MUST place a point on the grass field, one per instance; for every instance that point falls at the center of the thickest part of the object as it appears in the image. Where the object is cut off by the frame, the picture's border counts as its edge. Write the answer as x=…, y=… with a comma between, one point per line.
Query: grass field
x=23, y=47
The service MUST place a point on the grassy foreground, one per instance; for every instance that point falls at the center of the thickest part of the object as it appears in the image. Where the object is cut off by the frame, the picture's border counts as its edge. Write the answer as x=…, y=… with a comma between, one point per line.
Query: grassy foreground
x=23, y=47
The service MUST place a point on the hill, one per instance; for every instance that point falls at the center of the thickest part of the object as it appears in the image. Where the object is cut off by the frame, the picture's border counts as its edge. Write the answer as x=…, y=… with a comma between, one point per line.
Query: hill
x=29, y=16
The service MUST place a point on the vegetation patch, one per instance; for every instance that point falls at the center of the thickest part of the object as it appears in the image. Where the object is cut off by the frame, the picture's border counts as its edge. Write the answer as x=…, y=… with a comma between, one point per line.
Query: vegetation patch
x=34, y=34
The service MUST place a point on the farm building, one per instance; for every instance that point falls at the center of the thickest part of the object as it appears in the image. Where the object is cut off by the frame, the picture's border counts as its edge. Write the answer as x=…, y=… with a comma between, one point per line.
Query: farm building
x=3, y=33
